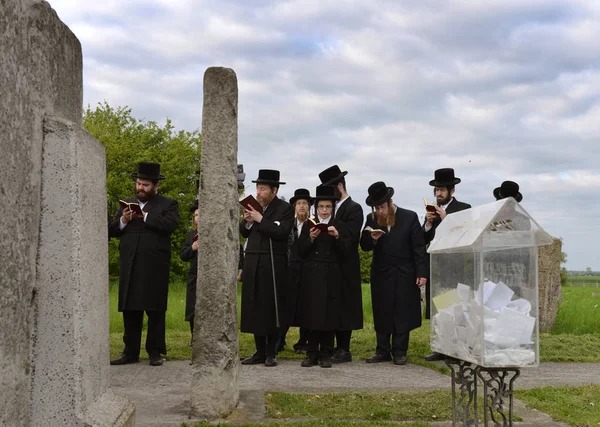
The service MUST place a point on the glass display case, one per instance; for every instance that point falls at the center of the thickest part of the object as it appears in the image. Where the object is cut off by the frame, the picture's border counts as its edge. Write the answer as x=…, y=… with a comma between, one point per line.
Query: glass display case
x=484, y=285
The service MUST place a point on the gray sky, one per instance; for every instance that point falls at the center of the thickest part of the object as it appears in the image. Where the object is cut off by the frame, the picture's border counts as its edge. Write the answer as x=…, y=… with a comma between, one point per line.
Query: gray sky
x=388, y=90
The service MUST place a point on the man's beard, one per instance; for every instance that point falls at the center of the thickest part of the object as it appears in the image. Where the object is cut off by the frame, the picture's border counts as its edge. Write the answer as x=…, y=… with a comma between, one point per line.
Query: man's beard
x=142, y=196
x=302, y=216
x=337, y=193
x=442, y=202
x=265, y=202
x=389, y=220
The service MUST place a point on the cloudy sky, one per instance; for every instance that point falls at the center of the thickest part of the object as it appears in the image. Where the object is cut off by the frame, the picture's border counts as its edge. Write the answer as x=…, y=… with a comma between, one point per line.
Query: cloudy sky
x=388, y=90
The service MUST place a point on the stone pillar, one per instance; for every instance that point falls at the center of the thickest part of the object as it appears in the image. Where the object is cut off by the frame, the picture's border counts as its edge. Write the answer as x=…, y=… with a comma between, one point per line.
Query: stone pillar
x=215, y=360
x=53, y=238
x=549, y=285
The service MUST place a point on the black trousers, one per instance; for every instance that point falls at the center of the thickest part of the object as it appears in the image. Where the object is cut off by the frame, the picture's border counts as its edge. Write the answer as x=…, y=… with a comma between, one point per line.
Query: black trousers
x=427, y=299
x=399, y=345
x=320, y=343
x=342, y=338
x=155, y=339
x=266, y=346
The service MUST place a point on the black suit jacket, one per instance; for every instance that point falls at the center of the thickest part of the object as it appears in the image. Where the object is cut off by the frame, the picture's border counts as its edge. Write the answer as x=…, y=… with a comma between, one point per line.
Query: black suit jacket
x=454, y=206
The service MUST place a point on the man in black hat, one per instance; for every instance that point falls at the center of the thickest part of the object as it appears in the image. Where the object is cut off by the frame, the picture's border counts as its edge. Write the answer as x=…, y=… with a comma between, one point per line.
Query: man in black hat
x=144, y=264
x=263, y=301
x=508, y=189
x=398, y=271
x=351, y=214
x=302, y=201
x=444, y=185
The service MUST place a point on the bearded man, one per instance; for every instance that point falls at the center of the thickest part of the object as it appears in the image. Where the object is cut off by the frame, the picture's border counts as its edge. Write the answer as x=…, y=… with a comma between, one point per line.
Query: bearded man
x=144, y=264
x=263, y=302
x=443, y=189
x=398, y=271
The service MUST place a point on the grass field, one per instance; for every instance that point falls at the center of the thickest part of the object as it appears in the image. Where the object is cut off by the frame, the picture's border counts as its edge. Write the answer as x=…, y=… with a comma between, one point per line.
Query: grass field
x=575, y=337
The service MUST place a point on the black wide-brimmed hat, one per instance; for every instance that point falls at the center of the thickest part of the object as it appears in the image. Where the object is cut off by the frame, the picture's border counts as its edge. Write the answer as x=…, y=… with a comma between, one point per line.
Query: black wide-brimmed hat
x=508, y=189
x=379, y=193
x=325, y=192
x=444, y=177
x=148, y=170
x=268, y=176
x=301, y=194
x=194, y=207
x=332, y=175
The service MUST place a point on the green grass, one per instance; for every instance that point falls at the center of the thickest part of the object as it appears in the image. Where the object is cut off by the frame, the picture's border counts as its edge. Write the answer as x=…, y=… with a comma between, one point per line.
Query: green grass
x=575, y=338
x=579, y=311
x=576, y=406
x=328, y=423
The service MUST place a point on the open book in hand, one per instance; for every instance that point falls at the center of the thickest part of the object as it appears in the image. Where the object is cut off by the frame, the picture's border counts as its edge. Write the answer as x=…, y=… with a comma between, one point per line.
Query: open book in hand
x=373, y=230
x=428, y=206
x=251, y=201
x=318, y=225
x=134, y=206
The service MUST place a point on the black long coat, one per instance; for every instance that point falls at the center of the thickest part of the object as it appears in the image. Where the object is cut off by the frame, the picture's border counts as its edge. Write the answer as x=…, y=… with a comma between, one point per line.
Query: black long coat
x=145, y=255
x=351, y=214
x=320, y=303
x=398, y=259
x=188, y=254
x=258, y=300
x=295, y=263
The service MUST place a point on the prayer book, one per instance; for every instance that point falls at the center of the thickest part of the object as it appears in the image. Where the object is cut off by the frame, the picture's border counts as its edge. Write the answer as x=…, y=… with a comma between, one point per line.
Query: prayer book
x=251, y=201
x=134, y=206
x=373, y=230
x=428, y=206
x=318, y=225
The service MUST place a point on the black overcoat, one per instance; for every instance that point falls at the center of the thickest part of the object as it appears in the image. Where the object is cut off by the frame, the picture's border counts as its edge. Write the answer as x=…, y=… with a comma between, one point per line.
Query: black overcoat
x=258, y=300
x=189, y=254
x=145, y=255
x=398, y=259
x=320, y=303
x=295, y=263
x=351, y=214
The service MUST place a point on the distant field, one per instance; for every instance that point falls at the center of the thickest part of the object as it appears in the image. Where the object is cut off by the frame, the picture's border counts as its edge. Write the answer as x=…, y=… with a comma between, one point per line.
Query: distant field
x=584, y=281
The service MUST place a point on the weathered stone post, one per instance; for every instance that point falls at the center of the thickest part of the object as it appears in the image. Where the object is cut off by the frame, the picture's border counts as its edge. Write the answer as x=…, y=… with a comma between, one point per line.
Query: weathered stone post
x=215, y=367
x=550, y=291
x=53, y=236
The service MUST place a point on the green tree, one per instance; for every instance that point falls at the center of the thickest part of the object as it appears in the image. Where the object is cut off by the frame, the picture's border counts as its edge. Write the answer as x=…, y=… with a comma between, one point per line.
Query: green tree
x=129, y=141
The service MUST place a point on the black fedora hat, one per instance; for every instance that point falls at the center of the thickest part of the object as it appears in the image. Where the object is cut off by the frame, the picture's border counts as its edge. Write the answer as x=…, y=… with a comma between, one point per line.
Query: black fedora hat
x=444, y=177
x=325, y=192
x=148, y=170
x=332, y=175
x=379, y=193
x=508, y=189
x=301, y=194
x=268, y=176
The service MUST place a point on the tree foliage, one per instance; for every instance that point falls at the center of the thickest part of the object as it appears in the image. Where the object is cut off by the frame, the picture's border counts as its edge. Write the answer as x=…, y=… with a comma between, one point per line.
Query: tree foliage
x=129, y=141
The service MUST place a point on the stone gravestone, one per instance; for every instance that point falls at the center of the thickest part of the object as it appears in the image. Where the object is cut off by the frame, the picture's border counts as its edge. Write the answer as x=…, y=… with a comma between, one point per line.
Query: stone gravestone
x=215, y=357
x=549, y=285
x=53, y=238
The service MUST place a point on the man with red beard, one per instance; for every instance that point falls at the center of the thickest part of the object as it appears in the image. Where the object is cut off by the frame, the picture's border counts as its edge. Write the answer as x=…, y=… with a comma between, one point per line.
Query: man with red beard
x=443, y=190
x=397, y=272
x=144, y=264
x=263, y=302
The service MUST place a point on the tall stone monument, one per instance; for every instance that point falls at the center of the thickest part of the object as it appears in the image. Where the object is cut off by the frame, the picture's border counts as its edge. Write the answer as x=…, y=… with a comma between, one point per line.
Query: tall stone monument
x=53, y=239
x=215, y=358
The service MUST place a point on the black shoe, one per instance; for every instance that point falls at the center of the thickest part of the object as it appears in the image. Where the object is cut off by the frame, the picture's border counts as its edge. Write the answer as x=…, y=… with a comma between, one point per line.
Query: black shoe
x=325, y=362
x=434, y=357
x=399, y=360
x=270, y=362
x=378, y=358
x=309, y=361
x=341, y=356
x=255, y=359
x=300, y=348
x=124, y=360
x=156, y=360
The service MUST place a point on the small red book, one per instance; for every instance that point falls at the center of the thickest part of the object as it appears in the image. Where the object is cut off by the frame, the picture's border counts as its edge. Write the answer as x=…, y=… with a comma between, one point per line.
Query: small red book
x=429, y=207
x=251, y=201
x=134, y=206
x=318, y=225
x=195, y=237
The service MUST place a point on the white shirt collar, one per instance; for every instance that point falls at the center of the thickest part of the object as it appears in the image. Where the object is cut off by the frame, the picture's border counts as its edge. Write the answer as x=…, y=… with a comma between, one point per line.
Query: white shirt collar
x=339, y=202
x=446, y=205
x=324, y=221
